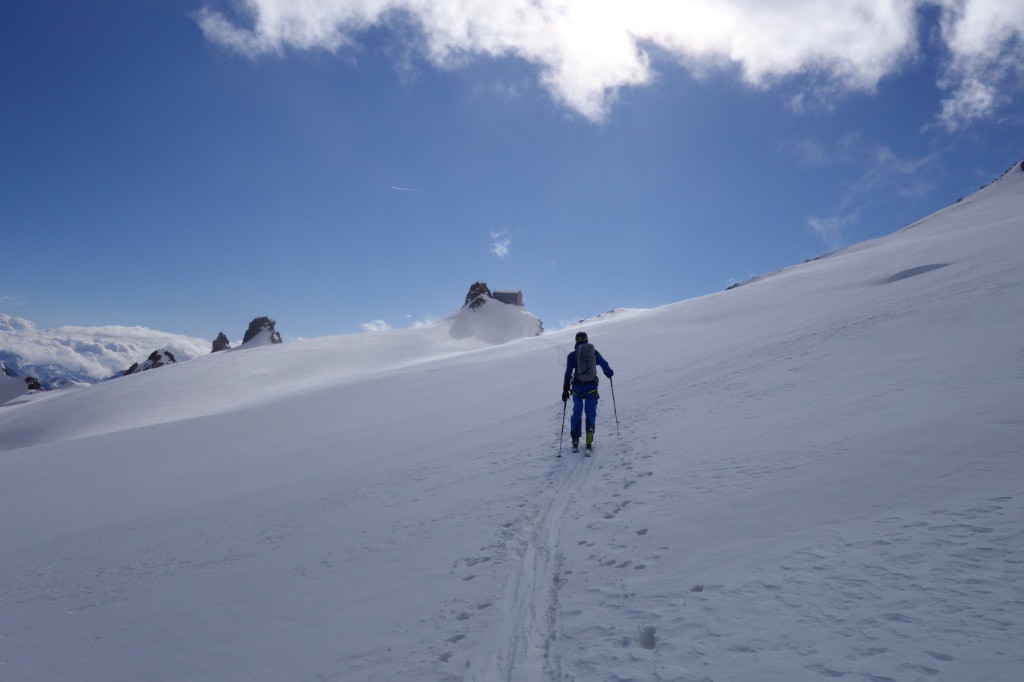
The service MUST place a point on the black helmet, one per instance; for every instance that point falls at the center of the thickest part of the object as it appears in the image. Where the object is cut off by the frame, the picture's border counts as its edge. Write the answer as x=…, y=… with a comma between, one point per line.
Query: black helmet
x=581, y=337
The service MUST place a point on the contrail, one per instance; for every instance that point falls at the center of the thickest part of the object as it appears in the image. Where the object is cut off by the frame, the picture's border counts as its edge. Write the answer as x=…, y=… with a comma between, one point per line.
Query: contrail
x=403, y=189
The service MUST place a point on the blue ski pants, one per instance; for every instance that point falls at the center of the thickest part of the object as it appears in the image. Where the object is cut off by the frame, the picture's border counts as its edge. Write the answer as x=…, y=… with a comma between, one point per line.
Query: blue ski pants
x=584, y=401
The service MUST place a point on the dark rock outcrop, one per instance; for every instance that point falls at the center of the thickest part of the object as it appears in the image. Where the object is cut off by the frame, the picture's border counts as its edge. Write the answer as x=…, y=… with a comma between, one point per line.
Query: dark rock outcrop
x=31, y=382
x=221, y=343
x=477, y=296
x=258, y=325
x=157, y=358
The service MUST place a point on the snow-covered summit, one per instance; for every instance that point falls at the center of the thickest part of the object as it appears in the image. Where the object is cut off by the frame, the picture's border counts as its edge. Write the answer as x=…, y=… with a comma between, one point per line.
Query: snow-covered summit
x=491, y=320
x=157, y=358
x=262, y=331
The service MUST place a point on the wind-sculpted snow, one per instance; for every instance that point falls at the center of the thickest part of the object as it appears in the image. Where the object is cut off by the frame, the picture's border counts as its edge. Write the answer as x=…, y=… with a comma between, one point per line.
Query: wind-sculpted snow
x=225, y=382
x=818, y=476
x=11, y=388
x=494, y=322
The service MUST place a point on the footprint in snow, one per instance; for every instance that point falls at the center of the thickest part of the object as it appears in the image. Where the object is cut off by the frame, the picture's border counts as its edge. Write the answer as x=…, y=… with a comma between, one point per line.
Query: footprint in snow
x=922, y=669
x=826, y=672
x=941, y=657
x=646, y=636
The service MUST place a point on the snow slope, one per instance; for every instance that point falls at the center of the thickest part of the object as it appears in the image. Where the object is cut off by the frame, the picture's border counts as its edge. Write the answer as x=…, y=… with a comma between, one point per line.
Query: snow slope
x=819, y=475
x=11, y=387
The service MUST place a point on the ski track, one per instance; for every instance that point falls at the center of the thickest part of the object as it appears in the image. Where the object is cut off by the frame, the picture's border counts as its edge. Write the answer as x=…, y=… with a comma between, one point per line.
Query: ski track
x=526, y=635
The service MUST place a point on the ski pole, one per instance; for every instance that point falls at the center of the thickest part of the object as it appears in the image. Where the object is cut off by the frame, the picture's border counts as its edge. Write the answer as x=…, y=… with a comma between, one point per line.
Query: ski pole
x=614, y=408
x=560, y=435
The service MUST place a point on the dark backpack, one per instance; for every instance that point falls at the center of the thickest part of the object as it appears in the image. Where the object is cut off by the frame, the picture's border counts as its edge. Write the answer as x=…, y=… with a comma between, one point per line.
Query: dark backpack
x=586, y=363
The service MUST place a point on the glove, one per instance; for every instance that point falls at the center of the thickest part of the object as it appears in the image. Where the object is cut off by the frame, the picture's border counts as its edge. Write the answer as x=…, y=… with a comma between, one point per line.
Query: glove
x=609, y=374
x=565, y=394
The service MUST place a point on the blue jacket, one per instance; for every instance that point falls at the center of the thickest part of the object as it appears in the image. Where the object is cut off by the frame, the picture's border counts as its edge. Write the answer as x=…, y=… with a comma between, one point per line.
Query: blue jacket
x=570, y=368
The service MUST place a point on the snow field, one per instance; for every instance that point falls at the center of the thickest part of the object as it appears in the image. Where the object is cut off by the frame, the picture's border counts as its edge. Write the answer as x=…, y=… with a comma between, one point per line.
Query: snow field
x=818, y=477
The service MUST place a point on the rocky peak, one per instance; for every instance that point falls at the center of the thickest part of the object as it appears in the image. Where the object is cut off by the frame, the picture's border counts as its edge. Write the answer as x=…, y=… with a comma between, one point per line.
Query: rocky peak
x=262, y=324
x=221, y=343
x=157, y=358
x=477, y=296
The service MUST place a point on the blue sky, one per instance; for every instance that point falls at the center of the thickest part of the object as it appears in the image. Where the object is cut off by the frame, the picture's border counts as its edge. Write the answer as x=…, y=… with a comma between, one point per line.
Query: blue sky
x=187, y=166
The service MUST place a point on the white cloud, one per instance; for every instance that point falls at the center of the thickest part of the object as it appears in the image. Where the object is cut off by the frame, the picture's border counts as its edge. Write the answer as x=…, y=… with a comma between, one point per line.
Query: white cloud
x=417, y=324
x=13, y=300
x=9, y=323
x=89, y=353
x=376, y=326
x=986, y=40
x=879, y=166
x=588, y=50
x=880, y=172
x=884, y=169
x=830, y=229
x=805, y=151
x=501, y=243
x=565, y=322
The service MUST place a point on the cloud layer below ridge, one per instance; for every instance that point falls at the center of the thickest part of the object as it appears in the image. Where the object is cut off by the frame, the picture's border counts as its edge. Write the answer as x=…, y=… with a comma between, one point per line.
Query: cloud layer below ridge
x=86, y=353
